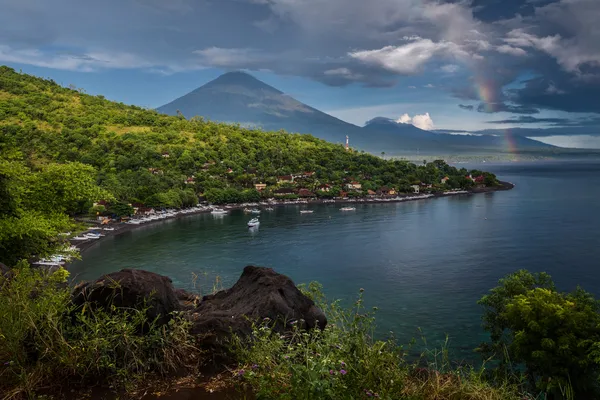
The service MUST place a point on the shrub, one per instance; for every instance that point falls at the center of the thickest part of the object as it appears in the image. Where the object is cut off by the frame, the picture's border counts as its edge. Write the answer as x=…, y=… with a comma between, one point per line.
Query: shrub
x=44, y=341
x=554, y=335
x=344, y=361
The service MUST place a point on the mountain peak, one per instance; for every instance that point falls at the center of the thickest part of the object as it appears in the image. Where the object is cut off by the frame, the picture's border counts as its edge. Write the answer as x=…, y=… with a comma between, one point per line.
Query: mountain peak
x=380, y=120
x=240, y=79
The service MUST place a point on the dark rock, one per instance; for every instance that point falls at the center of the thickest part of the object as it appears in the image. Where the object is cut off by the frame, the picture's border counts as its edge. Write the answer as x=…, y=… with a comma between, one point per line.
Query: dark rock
x=259, y=293
x=131, y=288
x=187, y=301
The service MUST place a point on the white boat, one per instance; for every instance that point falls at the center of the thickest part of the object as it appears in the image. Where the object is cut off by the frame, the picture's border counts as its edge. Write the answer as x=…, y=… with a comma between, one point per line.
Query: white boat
x=218, y=211
x=253, y=222
x=269, y=209
x=255, y=211
x=347, y=209
x=108, y=229
x=80, y=238
x=306, y=211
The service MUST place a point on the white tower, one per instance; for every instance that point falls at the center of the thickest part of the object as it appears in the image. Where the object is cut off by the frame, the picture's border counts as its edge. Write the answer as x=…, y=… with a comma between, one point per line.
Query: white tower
x=347, y=145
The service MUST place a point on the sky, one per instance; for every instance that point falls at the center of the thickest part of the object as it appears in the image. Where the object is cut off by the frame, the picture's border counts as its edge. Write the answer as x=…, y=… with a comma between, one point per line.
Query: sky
x=457, y=65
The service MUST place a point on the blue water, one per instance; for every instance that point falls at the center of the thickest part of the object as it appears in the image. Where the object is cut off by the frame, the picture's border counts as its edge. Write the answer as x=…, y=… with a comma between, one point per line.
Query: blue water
x=423, y=263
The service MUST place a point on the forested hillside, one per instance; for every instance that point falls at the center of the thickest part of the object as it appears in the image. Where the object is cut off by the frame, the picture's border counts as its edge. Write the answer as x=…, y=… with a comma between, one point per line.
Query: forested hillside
x=63, y=149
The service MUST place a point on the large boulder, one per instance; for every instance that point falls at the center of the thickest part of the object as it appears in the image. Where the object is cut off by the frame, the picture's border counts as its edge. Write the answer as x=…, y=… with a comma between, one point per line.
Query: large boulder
x=260, y=293
x=131, y=288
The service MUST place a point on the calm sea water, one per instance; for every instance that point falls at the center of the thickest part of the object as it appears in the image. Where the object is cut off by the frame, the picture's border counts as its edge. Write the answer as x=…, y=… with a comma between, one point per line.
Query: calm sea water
x=423, y=263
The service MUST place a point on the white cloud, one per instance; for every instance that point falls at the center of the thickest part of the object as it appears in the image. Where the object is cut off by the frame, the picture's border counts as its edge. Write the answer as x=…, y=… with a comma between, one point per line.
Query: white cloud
x=344, y=73
x=429, y=86
x=404, y=119
x=450, y=68
x=87, y=62
x=231, y=57
x=421, y=121
x=412, y=87
x=507, y=49
x=569, y=55
x=552, y=89
x=410, y=58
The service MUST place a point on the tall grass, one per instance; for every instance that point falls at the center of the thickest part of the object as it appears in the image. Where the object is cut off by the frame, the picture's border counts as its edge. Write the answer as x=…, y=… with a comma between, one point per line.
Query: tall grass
x=344, y=361
x=45, y=341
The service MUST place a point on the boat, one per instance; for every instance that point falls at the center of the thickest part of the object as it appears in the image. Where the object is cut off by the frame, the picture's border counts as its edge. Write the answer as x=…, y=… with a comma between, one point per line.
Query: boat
x=253, y=222
x=269, y=209
x=109, y=229
x=246, y=210
x=80, y=238
x=218, y=211
x=347, y=209
x=255, y=211
x=306, y=211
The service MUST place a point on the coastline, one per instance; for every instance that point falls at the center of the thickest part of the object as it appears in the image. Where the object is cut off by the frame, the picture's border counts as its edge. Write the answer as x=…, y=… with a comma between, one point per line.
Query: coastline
x=122, y=227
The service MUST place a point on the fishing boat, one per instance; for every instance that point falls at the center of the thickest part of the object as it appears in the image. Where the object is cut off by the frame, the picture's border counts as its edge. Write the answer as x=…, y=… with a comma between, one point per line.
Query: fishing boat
x=347, y=209
x=255, y=211
x=306, y=211
x=269, y=209
x=218, y=211
x=253, y=222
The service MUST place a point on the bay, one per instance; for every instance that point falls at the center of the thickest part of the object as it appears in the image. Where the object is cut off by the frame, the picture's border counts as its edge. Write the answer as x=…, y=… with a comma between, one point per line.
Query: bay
x=424, y=264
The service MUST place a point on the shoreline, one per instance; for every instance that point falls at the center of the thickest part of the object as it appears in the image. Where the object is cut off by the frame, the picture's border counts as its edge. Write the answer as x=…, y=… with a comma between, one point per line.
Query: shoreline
x=122, y=227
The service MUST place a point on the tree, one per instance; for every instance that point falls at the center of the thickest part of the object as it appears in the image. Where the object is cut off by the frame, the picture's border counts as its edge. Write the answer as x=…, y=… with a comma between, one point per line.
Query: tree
x=555, y=335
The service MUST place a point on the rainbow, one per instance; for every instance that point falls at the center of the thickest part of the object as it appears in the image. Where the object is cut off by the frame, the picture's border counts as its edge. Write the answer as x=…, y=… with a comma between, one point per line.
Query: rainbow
x=488, y=95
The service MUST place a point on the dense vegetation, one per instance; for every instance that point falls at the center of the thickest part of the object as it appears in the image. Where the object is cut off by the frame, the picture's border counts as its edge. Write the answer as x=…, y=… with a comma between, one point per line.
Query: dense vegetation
x=62, y=150
x=46, y=342
x=61, y=144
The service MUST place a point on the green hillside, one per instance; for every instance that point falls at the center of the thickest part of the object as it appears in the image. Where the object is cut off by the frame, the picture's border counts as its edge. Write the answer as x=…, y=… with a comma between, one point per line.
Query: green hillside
x=62, y=149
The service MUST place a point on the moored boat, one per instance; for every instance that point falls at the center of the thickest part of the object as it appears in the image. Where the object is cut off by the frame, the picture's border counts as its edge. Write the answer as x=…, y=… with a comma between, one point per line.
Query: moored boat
x=253, y=222
x=306, y=211
x=347, y=208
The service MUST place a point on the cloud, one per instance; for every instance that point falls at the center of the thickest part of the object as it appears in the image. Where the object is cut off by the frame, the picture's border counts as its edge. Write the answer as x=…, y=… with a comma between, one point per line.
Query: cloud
x=336, y=42
x=450, y=68
x=412, y=87
x=469, y=107
x=421, y=121
x=410, y=58
x=572, y=141
x=504, y=107
x=531, y=120
x=404, y=119
x=507, y=49
x=429, y=86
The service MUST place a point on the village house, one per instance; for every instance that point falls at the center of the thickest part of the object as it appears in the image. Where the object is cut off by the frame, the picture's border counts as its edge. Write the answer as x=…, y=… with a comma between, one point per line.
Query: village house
x=155, y=171
x=190, y=180
x=324, y=187
x=308, y=174
x=386, y=191
x=285, y=179
x=165, y=155
x=283, y=191
x=354, y=185
x=305, y=193
x=229, y=170
x=260, y=186
x=444, y=180
x=371, y=193
x=415, y=188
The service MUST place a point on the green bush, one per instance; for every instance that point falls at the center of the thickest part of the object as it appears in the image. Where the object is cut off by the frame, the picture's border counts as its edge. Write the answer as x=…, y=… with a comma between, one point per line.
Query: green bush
x=45, y=341
x=554, y=335
x=344, y=361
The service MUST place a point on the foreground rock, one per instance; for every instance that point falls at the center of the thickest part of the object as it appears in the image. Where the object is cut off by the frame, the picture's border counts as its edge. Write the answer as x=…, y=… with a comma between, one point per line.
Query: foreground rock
x=259, y=293
x=4, y=270
x=130, y=288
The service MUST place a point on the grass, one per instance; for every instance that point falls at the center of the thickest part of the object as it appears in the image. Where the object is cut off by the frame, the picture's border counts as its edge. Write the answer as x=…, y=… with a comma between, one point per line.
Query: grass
x=344, y=361
x=46, y=344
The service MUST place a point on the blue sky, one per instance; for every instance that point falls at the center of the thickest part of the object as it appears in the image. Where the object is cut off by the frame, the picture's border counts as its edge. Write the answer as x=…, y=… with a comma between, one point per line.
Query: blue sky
x=465, y=65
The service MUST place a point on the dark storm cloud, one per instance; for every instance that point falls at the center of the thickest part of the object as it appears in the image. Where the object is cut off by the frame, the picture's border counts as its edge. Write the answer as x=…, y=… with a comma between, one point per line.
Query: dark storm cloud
x=531, y=120
x=469, y=107
x=337, y=42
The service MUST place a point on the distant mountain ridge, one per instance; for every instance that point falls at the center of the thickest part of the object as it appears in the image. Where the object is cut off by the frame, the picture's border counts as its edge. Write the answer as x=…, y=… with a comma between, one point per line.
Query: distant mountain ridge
x=240, y=97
